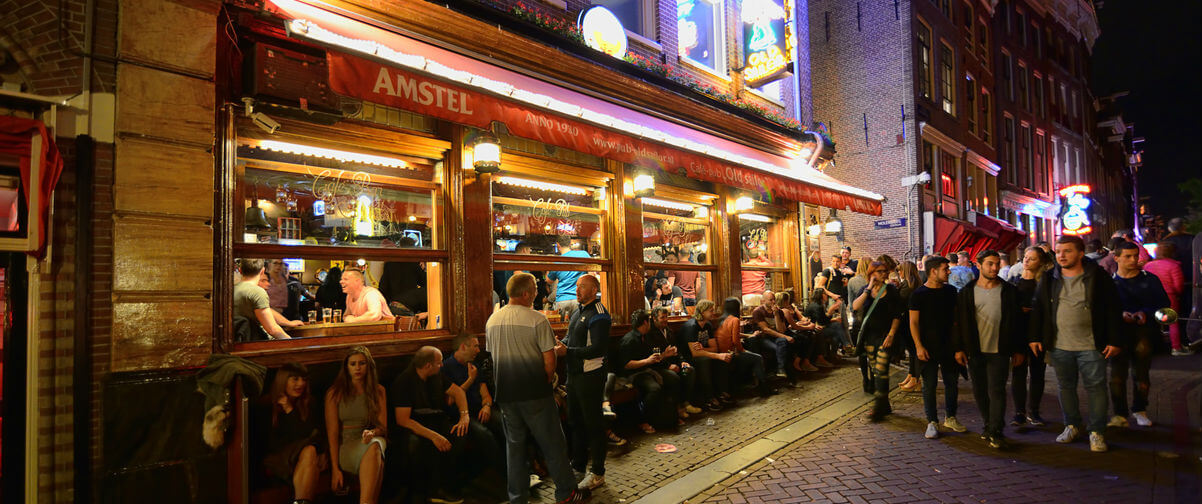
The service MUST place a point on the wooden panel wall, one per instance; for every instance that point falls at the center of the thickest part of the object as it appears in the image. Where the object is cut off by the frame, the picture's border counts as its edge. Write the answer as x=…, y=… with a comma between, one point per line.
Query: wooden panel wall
x=163, y=186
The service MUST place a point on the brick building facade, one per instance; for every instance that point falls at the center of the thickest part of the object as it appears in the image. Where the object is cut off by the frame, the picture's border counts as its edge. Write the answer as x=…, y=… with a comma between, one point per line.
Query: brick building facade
x=990, y=100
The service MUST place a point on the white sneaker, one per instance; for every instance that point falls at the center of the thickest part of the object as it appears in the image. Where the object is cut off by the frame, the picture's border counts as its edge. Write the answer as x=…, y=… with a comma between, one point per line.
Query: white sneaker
x=1141, y=418
x=932, y=430
x=1097, y=443
x=1118, y=421
x=1181, y=352
x=1069, y=434
x=591, y=481
x=955, y=425
x=535, y=480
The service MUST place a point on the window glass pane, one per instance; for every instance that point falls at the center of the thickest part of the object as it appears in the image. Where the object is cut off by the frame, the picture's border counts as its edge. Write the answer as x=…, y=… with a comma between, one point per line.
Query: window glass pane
x=548, y=218
x=675, y=232
x=630, y=13
x=772, y=90
x=677, y=290
x=306, y=205
x=762, y=244
x=698, y=25
x=319, y=297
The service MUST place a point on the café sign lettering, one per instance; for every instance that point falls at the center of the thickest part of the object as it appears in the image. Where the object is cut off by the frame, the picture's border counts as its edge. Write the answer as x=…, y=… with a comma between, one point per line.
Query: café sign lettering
x=767, y=39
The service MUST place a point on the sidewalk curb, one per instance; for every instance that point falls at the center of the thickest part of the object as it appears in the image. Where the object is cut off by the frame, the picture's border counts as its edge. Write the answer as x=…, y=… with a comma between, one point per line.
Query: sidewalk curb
x=704, y=478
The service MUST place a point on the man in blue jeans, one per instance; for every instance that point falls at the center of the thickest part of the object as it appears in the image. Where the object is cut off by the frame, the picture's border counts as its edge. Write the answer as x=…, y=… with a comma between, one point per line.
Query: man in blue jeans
x=524, y=349
x=1076, y=317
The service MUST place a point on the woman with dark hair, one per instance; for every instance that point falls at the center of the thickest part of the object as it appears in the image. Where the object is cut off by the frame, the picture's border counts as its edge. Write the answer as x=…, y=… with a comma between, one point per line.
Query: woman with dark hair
x=356, y=424
x=294, y=449
x=881, y=303
x=1026, y=401
x=909, y=281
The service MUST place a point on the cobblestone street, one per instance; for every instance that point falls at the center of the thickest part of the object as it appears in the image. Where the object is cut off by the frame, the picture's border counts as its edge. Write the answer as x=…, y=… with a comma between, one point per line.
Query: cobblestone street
x=858, y=462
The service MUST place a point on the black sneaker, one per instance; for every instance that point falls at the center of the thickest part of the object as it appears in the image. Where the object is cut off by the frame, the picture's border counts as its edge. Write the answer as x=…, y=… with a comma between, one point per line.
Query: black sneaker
x=1019, y=419
x=577, y=495
x=998, y=443
x=1036, y=420
x=714, y=406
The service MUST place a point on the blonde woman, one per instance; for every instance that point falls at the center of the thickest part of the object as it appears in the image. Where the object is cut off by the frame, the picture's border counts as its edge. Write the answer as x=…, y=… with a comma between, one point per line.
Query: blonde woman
x=356, y=424
x=1026, y=400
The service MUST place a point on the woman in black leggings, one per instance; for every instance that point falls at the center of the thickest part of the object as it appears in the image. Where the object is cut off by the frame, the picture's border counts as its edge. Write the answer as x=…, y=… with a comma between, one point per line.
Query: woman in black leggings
x=881, y=304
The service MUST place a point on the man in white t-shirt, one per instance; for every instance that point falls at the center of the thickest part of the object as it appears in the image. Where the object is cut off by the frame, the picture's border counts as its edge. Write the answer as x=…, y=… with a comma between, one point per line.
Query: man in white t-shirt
x=364, y=303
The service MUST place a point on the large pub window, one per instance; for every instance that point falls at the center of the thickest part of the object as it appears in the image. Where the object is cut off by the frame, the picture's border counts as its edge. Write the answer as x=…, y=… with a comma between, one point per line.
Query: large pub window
x=764, y=256
x=677, y=237
x=323, y=207
x=550, y=219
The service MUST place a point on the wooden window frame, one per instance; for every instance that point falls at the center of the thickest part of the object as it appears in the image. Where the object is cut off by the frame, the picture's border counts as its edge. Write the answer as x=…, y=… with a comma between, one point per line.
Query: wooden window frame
x=926, y=88
x=351, y=135
x=947, y=76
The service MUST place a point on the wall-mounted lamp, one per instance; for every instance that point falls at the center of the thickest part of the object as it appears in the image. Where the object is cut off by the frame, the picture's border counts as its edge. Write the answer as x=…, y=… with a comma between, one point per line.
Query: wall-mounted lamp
x=486, y=153
x=744, y=204
x=644, y=185
x=834, y=225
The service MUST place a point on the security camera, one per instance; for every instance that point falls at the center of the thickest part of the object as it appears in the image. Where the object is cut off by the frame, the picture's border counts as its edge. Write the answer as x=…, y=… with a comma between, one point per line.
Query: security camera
x=264, y=122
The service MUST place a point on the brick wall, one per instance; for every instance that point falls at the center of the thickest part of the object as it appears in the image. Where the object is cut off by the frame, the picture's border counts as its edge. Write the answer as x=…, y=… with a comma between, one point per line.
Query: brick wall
x=863, y=73
x=47, y=40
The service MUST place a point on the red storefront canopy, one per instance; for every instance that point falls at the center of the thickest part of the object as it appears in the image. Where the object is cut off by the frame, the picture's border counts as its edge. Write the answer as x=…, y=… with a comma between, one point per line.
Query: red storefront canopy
x=1008, y=236
x=381, y=66
x=16, y=138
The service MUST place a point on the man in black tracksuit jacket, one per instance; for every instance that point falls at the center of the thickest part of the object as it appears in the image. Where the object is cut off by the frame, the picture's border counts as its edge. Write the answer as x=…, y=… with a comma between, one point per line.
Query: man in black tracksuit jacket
x=988, y=340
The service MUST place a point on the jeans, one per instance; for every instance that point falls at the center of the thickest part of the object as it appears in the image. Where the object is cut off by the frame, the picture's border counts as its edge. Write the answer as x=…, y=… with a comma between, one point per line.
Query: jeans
x=1092, y=369
x=1036, y=367
x=930, y=383
x=988, y=374
x=566, y=308
x=487, y=440
x=539, y=418
x=745, y=363
x=588, y=425
x=703, y=381
x=440, y=468
x=781, y=347
x=1136, y=356
x=659, y=389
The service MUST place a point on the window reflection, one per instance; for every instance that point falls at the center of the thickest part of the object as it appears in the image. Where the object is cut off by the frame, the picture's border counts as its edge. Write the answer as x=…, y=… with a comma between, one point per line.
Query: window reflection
x=546, y=218
x=310, y=297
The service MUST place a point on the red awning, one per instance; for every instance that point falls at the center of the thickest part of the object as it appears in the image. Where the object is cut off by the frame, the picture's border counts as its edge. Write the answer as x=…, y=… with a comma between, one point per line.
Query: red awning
x=1008, y=235
x=954, y=235
x=382, y=66
x=16, y=138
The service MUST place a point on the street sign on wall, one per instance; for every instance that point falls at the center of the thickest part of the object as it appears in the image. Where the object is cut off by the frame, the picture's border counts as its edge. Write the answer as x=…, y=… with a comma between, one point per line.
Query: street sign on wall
x=889, y=223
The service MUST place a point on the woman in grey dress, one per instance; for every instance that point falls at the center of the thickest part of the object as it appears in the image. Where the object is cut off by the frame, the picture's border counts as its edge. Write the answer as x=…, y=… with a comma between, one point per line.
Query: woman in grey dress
x=356, y=424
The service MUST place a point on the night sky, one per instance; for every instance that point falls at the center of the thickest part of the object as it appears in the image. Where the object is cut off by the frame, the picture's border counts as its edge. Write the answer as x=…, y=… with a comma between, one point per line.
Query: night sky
x=1151, y=48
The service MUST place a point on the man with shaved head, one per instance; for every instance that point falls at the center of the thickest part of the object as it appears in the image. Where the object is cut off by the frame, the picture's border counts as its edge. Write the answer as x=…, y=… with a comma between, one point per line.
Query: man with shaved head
x=586, y=344
x=364, y=303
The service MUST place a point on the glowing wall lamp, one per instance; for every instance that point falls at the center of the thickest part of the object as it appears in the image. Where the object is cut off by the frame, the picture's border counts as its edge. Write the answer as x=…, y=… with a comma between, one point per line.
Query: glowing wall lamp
x=814, y=229
x=744, y=204
x=644, y=185
x=834, y=225
x=486, y=153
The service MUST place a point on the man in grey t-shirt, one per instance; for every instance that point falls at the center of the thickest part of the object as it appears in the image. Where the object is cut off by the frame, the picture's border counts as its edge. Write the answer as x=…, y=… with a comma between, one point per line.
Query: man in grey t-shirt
x=1076, y=316
x=251, y=303
x=988, y=341
x=523, y=350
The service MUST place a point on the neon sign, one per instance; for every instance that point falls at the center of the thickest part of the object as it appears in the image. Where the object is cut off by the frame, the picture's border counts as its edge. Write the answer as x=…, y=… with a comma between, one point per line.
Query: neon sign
x=603, y=31
x=767, y=40
x=1074, y=212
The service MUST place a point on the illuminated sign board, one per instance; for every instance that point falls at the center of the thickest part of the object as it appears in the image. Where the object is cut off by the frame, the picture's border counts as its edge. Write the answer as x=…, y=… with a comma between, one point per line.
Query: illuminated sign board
x=767, y=40
x=1074, y=210
x=603, y=31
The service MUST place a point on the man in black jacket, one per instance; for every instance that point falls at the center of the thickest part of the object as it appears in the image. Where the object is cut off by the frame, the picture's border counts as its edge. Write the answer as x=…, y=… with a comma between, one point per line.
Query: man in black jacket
x=1076, y=316
x=989, y=341
x=585, y=346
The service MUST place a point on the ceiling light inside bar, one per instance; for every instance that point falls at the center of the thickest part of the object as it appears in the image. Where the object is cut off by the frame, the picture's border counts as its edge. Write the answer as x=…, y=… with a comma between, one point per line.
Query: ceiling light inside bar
x=673, y=205
x=755, y=217
x=543, y=186
x=321, y=152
